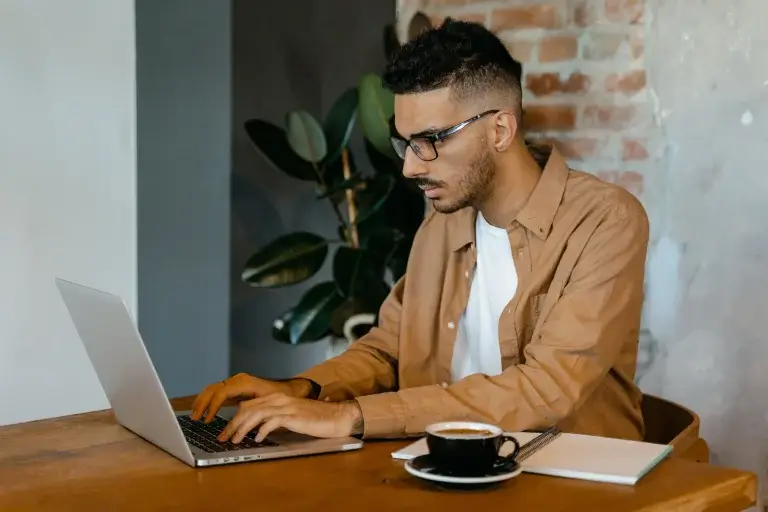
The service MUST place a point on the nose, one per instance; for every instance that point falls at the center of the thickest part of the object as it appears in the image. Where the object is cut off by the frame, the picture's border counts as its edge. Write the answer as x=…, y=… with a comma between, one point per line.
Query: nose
x=413, y=166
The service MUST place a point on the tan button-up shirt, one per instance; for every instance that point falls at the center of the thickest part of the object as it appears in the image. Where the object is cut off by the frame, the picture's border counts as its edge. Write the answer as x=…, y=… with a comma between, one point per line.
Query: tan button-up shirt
x=568, y=338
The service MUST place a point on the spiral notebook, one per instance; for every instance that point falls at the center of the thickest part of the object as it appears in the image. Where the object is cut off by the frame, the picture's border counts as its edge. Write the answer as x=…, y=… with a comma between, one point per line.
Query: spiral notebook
x=600, y=459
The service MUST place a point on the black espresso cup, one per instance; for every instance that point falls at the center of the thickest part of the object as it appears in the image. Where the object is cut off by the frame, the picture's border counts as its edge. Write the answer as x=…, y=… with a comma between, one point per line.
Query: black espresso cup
x=468, y=448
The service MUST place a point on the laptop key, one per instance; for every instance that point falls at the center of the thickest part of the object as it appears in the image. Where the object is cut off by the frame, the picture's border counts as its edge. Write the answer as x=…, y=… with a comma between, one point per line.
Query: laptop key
x=194, y=442
x=205, y=436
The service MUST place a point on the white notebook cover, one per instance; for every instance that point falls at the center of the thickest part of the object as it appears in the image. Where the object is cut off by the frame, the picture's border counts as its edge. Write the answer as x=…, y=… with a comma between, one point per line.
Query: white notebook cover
x=599, y=459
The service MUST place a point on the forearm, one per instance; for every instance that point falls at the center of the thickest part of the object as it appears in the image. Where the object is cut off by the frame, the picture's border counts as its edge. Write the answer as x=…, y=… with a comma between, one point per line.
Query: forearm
x=364, y=368
x=408, y=412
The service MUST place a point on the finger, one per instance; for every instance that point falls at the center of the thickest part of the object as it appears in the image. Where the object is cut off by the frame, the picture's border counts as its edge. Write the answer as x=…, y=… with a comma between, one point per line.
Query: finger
x=237, y=430
x=262, y=407
x=219, y=396
x=246, y=418
x=232, y=426
x=250, y=424
x=197, y=405
x=201, y=402
x=270, y=426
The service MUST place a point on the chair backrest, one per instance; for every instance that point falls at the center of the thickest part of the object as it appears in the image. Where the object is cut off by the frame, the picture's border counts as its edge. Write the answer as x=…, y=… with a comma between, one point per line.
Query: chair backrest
x=669, y=423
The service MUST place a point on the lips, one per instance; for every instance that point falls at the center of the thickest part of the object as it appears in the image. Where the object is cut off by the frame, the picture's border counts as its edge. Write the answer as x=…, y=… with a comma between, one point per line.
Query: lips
x=430, y=191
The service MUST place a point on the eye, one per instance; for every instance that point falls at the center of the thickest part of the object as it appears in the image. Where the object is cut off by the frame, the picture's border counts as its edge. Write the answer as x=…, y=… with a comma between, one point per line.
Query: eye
x=421, y=144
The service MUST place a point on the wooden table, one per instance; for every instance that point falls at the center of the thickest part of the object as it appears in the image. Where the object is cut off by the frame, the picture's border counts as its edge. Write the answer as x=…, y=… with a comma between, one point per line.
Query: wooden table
x=88, y=462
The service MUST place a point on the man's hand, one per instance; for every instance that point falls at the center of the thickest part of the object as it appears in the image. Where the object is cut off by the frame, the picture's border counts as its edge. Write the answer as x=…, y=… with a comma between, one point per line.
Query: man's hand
x=243, y=387
x=311, y=417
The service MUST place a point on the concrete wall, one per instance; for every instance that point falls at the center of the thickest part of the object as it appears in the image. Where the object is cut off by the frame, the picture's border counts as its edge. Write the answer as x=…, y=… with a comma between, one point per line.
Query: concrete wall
x=708, y=272
x=284, y=61
x=67, y=191
x=184, y=162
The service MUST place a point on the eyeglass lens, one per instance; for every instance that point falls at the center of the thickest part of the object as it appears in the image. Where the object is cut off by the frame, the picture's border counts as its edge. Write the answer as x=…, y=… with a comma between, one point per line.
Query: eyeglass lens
x=422, y=147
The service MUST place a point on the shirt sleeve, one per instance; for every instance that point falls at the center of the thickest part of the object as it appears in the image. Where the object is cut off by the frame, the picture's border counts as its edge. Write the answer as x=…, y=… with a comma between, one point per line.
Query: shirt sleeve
x=573, y=350
x=369, y=365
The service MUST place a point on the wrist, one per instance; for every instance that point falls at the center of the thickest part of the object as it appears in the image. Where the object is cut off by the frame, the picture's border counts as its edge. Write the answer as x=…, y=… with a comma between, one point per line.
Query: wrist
x=301, y=388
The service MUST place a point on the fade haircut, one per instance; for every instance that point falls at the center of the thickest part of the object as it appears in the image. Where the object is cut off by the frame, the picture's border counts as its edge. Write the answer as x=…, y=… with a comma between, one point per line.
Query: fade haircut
x=461, y=55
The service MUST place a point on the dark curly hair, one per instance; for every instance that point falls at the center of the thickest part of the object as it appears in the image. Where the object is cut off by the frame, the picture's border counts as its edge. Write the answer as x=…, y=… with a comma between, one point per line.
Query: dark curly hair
x=464, y=56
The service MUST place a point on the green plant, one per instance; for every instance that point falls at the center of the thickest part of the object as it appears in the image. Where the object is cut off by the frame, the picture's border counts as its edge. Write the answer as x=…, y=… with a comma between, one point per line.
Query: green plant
x=378, y=212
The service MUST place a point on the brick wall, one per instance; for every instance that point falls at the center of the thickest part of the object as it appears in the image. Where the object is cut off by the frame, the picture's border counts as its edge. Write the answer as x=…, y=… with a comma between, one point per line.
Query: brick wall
x=584, y=80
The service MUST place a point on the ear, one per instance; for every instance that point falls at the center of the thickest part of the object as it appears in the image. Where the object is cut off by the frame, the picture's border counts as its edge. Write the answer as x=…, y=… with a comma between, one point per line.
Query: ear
x=419, y=23
x=506, y=127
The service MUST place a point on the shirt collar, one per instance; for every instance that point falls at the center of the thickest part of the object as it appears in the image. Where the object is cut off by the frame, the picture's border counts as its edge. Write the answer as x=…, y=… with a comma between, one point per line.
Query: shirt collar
x=537, y=214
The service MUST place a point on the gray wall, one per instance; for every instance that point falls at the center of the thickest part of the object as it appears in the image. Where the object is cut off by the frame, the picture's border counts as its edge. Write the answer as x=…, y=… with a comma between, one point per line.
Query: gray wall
x=283, y=61
x=67, y=192
x=184, y=132
x=708, y=273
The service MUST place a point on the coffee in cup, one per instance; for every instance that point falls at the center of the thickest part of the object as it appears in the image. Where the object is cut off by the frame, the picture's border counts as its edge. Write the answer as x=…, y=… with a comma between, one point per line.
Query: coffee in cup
x=466, y=447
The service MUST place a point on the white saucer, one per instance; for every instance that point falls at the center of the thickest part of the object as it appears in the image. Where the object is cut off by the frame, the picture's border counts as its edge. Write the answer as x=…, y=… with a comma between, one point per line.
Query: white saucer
x=421, y=468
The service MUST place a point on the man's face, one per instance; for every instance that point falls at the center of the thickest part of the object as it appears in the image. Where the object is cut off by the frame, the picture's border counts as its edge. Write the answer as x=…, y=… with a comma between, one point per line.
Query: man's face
x=461, y=174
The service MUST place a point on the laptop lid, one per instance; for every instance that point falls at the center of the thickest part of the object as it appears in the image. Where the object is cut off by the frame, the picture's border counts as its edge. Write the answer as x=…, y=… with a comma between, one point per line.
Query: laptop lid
x=122, y=365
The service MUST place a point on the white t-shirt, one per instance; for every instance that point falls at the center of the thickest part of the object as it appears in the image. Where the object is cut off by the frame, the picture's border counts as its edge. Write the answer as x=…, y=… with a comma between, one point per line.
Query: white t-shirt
x=493, y=285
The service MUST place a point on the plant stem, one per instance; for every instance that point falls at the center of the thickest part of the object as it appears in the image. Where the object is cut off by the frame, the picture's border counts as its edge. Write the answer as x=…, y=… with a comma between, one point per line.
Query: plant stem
x=351, y=204
x=336, y=210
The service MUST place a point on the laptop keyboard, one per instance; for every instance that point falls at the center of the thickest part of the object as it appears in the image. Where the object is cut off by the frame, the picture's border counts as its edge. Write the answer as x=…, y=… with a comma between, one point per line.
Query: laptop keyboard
x=203, y=436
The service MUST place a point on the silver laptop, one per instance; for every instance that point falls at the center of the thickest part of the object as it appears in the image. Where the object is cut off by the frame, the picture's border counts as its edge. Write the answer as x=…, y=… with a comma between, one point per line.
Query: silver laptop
x=123, y=366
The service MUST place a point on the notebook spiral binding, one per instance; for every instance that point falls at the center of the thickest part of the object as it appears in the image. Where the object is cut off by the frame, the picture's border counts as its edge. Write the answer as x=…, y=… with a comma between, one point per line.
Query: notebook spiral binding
x=537, y=443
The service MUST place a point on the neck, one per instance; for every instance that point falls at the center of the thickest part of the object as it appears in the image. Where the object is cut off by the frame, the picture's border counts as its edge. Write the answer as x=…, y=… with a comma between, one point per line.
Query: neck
x=516, y=178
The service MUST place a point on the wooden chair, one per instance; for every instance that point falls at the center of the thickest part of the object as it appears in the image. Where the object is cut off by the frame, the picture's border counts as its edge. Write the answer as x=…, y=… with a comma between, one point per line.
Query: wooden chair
x=670, y=423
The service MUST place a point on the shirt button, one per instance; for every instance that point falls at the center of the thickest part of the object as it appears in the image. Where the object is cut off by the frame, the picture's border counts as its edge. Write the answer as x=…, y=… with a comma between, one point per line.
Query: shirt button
x=451, y=325
x=444, y=384
x=520, y=253
x=466, y=273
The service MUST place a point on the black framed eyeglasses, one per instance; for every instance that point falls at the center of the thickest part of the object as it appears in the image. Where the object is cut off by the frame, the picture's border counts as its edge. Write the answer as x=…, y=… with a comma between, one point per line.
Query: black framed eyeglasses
x=423, y=145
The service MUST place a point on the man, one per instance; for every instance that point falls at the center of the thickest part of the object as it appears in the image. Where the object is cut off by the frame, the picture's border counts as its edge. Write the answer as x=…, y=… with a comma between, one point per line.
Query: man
x=522, y=297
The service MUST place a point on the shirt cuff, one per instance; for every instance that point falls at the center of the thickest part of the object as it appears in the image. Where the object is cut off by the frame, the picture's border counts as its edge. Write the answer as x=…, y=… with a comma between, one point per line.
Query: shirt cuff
x=383, y=415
